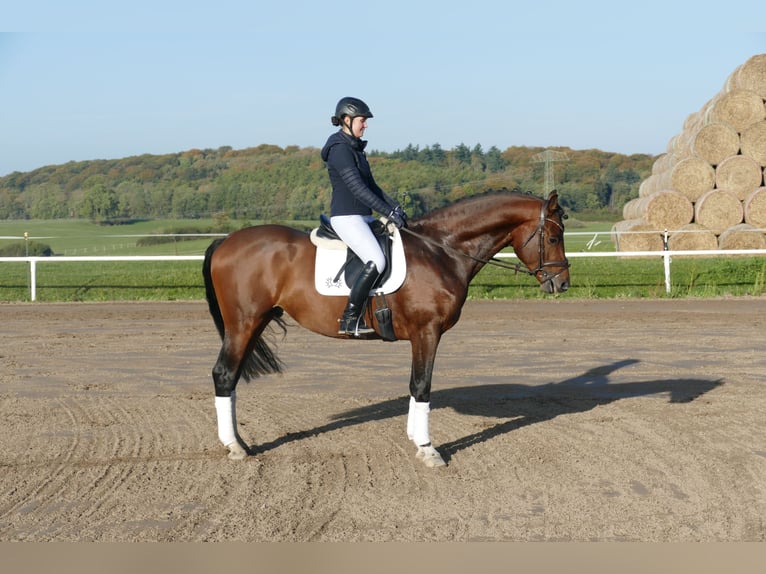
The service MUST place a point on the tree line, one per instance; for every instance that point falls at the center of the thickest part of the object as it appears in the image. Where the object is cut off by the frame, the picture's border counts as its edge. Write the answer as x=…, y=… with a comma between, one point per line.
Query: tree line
x=269, y=183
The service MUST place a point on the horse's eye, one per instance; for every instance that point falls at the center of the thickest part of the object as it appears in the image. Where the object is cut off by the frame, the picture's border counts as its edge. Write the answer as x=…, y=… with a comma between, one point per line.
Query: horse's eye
x=553, y=240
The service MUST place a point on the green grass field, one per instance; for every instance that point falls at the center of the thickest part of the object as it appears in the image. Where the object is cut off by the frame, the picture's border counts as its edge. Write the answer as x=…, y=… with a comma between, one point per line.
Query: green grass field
x=596, y=277
x=79, y=237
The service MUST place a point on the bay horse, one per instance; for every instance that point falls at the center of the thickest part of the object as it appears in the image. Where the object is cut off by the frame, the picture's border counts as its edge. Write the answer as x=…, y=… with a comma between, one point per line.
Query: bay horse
x=255, y=274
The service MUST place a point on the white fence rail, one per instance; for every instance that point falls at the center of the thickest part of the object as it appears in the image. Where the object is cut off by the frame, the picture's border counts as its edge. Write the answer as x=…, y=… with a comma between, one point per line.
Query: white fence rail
x=666, y=256
x=33, y=261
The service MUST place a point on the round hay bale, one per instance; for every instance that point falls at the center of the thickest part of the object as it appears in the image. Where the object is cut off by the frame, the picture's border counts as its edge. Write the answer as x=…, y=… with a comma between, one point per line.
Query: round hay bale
x=731, y=81
x=636, y=235
x=665, y=209
x=693, y=121
x=650, y=185
x=752, y=75
x=629, y=209
x=633, y=209
x=692, y=236
x=753, y=141
x=738, y=174
x=738, y=108
x=715, y=142
x=718, y=210
x=670, y=148
x=682, y=144
x=692, y=177
x=678, y=146
x=755, y=208
x=742, y=236
x=663, y=163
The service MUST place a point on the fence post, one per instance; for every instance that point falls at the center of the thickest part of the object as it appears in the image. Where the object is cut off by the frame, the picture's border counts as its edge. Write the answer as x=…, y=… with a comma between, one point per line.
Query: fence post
x=33, y=279
x=666, y=261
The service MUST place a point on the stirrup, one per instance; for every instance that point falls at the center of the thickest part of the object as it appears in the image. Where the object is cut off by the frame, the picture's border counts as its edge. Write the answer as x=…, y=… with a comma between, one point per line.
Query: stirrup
x=354, y=327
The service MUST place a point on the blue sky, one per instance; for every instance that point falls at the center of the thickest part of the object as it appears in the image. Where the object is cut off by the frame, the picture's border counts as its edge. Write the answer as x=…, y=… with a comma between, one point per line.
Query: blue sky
x=82, y=79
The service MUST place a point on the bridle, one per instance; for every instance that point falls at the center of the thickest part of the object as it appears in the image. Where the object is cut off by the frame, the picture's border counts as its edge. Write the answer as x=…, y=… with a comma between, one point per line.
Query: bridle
x=545, y=275
x=516, y=267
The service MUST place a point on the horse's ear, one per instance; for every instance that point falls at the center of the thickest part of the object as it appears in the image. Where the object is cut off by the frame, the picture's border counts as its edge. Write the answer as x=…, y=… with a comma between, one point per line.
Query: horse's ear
x=553, y=201
x=553, y=205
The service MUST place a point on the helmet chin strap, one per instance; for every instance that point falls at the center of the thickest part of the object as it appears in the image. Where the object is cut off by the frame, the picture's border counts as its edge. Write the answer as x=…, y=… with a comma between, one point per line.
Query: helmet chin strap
x=350, y=126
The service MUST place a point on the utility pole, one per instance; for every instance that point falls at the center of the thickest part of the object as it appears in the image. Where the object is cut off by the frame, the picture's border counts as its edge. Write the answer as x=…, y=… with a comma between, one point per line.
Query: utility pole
x=547, y=157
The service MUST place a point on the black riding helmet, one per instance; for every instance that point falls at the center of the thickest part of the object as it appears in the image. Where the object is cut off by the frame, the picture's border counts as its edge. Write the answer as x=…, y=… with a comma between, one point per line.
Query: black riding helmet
x=351, y=107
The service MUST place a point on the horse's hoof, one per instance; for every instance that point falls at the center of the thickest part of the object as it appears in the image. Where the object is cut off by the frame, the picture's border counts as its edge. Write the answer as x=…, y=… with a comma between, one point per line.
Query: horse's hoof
x=236, y=452
x=430, y=456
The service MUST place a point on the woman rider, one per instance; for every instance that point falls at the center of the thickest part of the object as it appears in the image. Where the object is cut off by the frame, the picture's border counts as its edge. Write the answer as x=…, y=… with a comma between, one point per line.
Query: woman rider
x=355, y=195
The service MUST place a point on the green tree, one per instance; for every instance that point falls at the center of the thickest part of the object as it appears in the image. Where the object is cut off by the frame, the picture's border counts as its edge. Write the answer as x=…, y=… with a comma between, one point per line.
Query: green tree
x=133, y=200
x=477, y=158
x=462, y=154
x=47, y=202
x=494, y=160
x=188, y=203
x=99, y=203
x=438, y=155
x=268, y=182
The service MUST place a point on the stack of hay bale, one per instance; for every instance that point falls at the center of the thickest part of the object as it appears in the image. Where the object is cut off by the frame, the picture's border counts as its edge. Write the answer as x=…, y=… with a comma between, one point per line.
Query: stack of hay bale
x=708, y=190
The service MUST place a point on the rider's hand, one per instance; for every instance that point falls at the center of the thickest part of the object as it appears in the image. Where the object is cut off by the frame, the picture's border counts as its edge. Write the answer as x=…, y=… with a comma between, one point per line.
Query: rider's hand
x=398, y=217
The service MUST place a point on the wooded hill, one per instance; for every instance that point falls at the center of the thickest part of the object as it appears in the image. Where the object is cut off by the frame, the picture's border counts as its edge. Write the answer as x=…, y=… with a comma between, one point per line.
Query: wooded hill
x=273, y=183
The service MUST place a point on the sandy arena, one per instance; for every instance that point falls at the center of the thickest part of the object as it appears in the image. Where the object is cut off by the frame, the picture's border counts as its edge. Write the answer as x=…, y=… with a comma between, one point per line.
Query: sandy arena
x=560, y=420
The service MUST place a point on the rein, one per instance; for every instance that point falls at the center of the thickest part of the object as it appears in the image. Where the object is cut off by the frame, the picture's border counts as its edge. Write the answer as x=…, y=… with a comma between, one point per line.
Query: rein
x=516, y=267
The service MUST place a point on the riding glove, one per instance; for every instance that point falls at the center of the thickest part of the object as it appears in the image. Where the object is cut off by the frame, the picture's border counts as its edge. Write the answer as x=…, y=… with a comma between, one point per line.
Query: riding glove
x=398, y=217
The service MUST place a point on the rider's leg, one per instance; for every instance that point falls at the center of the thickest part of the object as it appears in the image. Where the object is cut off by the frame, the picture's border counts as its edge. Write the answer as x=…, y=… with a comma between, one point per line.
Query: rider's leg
x=352, y=322
x=355, y=232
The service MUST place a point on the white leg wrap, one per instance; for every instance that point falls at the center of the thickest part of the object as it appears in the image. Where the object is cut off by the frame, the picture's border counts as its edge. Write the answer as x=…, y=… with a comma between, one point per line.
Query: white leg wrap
x=417, y=422
x=226, y=411
x=411, y=419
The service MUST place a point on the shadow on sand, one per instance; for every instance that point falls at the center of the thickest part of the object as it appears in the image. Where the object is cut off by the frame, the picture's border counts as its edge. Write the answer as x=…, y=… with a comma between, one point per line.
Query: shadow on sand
x=519, y=405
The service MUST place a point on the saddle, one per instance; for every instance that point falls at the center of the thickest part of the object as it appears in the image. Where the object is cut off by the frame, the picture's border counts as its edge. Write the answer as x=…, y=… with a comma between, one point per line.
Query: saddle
x=353, y=265
x=336, y=267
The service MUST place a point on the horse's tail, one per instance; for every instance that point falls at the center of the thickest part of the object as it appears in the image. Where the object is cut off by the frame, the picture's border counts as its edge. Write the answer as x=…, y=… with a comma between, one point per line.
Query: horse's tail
x=261, y=360
x=212, y=299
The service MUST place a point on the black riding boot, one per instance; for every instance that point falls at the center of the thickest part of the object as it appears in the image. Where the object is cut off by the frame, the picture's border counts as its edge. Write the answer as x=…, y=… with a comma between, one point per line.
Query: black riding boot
x=357, y=299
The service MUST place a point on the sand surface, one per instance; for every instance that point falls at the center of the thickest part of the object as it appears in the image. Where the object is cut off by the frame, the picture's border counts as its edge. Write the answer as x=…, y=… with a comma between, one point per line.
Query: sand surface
x=561, y=420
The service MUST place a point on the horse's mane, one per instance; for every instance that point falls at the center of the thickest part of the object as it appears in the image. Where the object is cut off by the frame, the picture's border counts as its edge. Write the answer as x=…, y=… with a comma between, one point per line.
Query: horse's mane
x=466, y=203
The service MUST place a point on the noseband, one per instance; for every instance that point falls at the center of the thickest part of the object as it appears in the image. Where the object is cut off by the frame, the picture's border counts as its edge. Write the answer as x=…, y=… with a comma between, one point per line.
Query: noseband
x=541, y=263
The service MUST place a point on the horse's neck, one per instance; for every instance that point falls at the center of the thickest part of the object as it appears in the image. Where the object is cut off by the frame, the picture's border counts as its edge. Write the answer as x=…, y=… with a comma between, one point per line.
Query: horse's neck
x=482, y=230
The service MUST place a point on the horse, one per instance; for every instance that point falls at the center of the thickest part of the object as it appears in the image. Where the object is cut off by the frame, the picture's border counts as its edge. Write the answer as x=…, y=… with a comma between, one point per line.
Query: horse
x=255, y=274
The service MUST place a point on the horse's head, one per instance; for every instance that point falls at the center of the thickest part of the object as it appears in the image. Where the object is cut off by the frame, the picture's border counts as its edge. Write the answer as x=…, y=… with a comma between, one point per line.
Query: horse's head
x=539, y=243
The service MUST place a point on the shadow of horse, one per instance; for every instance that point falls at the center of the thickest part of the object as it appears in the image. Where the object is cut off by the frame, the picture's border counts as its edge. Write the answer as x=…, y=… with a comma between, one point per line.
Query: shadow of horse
x=518, y=405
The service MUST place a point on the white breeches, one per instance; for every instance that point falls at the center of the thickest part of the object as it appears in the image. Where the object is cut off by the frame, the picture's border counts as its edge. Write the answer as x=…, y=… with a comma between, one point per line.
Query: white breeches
x=355, y=232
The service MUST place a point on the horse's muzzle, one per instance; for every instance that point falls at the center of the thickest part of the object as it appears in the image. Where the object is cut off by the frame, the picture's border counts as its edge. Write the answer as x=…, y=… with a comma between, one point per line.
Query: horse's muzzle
x=557, y=283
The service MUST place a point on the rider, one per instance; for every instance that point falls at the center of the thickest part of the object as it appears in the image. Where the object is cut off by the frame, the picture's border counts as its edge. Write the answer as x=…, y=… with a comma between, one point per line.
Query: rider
x=355, y=195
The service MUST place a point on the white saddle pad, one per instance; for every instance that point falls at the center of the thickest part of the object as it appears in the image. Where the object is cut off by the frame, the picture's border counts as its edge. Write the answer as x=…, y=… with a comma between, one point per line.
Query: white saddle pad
x=331, y=256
